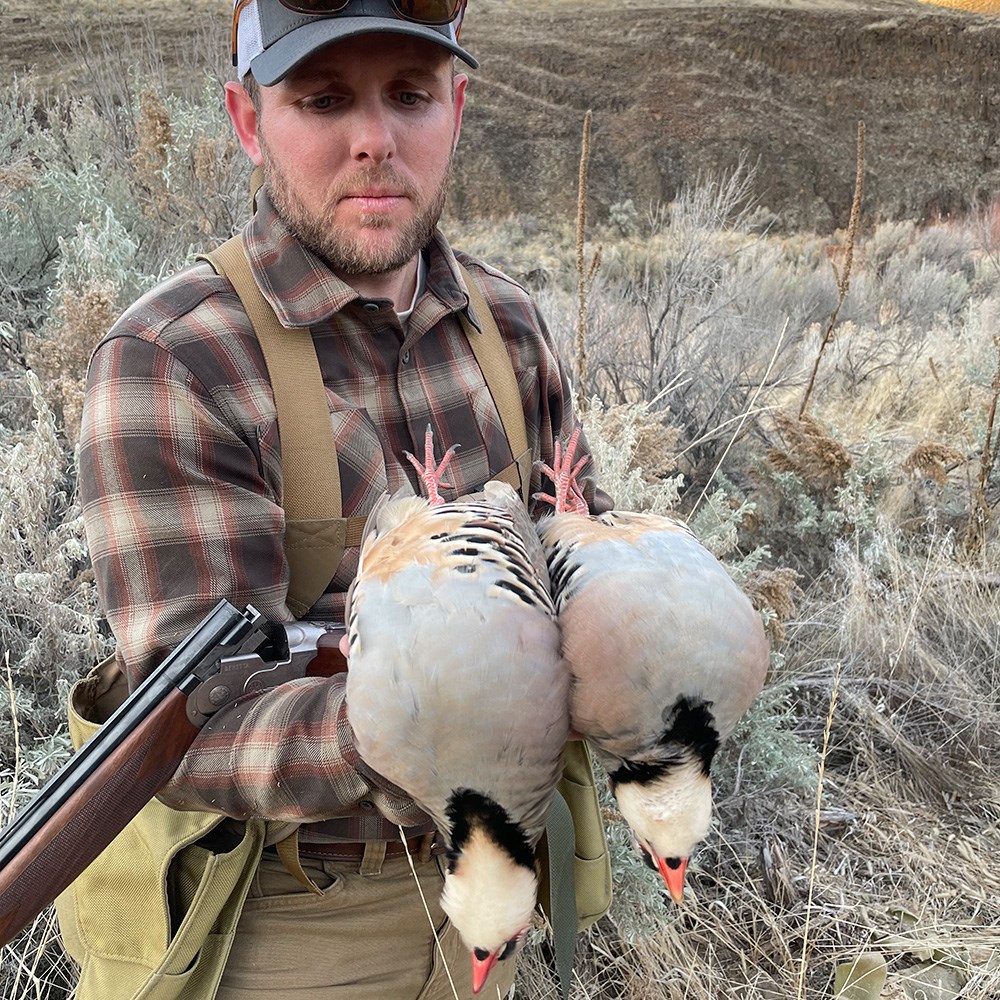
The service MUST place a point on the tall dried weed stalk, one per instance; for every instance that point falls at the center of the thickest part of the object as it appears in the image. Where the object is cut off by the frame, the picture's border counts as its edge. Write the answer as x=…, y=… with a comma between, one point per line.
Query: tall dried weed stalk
x=842, y=274
x=981, y=511
x=817, y=822
x=584, y=272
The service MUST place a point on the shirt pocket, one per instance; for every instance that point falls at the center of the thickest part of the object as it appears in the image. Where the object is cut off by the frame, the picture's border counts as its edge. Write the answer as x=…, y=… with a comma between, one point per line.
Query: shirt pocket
x=484, y=451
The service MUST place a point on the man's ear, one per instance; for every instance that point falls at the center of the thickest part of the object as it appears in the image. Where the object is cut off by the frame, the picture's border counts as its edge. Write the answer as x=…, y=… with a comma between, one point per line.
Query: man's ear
x=243, y=115
x=460, y=82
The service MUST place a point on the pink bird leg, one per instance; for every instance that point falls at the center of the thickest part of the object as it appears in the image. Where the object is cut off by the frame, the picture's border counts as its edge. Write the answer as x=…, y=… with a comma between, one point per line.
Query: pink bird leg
x=430, y=474
x=566, y=493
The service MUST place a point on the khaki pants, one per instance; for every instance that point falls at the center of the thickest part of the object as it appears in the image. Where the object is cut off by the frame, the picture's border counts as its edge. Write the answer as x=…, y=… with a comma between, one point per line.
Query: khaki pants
x=367, y=937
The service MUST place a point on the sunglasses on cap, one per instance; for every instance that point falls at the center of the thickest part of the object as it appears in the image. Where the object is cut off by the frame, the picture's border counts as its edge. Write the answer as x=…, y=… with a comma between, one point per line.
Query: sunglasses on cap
x=429, y=12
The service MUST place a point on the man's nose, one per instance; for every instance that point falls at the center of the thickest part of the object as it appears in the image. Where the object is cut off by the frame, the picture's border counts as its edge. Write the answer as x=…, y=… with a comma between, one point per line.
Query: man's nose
x=373, y=139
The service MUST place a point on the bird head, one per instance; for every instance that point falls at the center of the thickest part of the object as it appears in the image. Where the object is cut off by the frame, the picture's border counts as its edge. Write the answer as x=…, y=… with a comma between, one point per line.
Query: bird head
x=491, y=886
x=490, y=898
x=669, y=815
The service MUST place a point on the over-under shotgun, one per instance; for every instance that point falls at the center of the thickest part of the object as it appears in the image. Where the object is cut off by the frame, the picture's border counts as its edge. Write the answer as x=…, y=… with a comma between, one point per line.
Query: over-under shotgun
x=91, y=799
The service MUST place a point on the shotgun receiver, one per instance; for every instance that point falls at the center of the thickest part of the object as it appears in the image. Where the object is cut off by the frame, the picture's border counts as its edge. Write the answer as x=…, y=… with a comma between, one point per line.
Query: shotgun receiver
x=91, y=799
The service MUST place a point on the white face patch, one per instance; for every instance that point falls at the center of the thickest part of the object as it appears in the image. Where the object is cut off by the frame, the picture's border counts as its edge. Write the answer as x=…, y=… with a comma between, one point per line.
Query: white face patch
x=489, y=898
x=672, y=814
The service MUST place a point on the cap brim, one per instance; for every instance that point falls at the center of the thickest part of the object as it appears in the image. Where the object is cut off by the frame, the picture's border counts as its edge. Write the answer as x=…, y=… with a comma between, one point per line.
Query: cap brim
x=293, y=49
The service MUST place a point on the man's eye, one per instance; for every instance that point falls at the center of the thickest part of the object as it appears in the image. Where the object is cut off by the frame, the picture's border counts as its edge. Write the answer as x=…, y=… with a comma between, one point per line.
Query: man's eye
x=409, y=98
x=322, y=103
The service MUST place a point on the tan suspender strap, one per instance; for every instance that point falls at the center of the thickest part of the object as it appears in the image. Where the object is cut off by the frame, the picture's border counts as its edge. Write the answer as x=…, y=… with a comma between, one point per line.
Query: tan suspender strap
x=316, y=534
x=491, y=354
x=256, y=183
x=311, y=478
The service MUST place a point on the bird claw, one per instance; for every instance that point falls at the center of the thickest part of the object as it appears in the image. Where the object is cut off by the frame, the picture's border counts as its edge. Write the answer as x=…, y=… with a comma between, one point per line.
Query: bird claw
x=563, y=472
x=430, y=473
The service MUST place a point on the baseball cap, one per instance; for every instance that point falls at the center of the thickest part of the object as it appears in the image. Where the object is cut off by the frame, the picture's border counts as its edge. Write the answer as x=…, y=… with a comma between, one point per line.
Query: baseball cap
x=272, y=40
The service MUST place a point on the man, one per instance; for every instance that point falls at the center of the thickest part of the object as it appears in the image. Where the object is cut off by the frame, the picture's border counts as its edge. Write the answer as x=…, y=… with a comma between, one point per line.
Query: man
x=353, y=110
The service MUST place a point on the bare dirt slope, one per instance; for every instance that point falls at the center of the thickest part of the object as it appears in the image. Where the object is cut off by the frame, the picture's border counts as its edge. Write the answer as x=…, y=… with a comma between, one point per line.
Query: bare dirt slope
x=675, y=87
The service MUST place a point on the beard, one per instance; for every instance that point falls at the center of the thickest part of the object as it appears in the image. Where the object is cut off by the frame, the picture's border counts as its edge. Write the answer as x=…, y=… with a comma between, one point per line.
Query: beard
x=361, y=251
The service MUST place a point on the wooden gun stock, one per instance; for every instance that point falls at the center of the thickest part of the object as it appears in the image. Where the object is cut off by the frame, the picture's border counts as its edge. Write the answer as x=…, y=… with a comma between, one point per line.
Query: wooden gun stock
x=95, y=794
x=94, y=814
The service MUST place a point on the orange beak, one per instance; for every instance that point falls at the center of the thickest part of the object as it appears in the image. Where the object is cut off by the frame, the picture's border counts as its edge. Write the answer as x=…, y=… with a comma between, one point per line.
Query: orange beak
x=674, y=877
x=481, y=968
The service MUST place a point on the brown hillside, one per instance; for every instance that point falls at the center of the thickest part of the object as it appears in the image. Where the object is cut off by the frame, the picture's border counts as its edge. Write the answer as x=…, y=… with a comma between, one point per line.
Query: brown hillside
x=680, y=87
x=675, y=88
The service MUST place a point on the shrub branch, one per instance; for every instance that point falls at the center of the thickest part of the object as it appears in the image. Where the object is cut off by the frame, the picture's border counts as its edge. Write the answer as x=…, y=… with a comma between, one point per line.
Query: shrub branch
x=979, y=511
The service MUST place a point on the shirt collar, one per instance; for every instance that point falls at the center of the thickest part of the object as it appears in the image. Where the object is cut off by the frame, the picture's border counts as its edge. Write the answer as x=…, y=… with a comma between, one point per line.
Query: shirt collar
x=303, y=291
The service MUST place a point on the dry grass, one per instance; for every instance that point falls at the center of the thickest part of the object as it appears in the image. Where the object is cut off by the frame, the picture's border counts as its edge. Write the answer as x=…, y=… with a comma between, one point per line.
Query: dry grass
x=62, y=354
x=809, y=451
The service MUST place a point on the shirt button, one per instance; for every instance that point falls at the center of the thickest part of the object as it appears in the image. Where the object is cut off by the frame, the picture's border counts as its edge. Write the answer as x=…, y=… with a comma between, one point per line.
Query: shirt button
x=366, y=804
x=372, y=307
x=406, y=357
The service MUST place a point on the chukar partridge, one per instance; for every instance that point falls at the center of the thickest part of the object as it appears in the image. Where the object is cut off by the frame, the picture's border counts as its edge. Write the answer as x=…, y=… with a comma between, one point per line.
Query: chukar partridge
x=456, y=692
x=666, y=654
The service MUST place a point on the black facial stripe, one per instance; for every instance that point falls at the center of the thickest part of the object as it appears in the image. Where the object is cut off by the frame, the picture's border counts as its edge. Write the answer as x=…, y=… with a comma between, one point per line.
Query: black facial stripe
x=468, y=809
x=690, y=729
x=642, y=772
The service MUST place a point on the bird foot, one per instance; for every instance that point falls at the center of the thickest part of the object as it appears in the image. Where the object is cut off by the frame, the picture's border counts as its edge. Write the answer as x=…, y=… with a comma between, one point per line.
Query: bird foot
x=566, y=493
x=430, y=474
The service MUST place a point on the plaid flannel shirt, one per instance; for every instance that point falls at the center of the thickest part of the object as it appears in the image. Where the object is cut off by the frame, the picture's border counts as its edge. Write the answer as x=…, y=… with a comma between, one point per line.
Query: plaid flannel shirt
x=180, y=478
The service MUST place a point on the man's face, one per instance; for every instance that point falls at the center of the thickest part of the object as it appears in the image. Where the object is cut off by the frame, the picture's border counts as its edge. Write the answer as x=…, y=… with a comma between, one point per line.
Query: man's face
x=356, y=146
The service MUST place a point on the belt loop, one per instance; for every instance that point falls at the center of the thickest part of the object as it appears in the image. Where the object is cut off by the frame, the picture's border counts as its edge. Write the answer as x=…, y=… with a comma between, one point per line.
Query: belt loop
x=426, y=843
x=288, y=852
x=371, y=862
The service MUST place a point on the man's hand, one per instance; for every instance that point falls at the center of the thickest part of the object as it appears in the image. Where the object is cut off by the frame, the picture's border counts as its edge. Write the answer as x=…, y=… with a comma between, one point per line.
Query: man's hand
x=345, y=645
